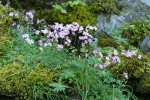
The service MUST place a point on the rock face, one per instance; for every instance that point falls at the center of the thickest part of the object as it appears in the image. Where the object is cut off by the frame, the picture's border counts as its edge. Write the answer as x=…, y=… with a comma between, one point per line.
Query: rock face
x=134, y=9
x=146, y=1
x=145, y=45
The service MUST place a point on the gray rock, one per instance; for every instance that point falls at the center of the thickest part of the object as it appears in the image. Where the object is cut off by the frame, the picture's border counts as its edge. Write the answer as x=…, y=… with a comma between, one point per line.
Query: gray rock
x=146, y=2
x=145, y=45
x=134, y=9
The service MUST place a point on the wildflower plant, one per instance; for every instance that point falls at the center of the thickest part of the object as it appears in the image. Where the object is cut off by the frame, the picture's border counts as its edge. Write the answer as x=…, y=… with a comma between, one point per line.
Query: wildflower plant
x=66, y=35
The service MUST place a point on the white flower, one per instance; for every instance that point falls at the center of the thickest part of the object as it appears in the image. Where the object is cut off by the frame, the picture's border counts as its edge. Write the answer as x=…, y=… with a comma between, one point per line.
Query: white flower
x=41, y=49
x=11, y=14
x=125, y=75
x=115, y=52
x=25, y=36
x=100, y=66
x=81, y=29
x=139, y=56
x=107, y=58
x=16, y=14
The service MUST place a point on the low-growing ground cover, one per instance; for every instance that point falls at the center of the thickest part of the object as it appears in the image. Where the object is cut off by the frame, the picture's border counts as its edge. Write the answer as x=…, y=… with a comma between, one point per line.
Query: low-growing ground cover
x=43, y=60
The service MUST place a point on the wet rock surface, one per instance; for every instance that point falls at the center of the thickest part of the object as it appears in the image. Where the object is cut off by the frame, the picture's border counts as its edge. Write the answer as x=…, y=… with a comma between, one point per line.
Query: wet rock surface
x=145, y=45
x=133, y=9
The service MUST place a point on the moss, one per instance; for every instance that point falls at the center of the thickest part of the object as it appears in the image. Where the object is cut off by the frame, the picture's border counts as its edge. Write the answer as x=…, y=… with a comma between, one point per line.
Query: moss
x=144, y=85
x=136, y=31
x=106, y=41
x=138, y=72
x=105, y=6
x=18, y=80
x=6, y=20
x=78, y=13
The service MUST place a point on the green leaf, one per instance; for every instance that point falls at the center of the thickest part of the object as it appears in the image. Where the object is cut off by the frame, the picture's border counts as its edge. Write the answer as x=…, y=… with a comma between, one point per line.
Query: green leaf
x=64, y=11
x=58, y=87
x=68, y=74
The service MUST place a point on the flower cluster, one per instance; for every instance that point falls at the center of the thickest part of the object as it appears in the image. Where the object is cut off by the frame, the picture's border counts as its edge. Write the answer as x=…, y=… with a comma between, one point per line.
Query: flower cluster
x=26, y=37
x=29, y=16
x=111, y=58
x=114, y=58
x=65, y=35
x=13, y=14
x=131, y=53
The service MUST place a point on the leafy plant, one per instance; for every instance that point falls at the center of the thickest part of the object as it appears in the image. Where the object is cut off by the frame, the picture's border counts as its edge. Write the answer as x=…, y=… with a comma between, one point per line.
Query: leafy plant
x=58, y=87
x=63, y=6
x=136, y=30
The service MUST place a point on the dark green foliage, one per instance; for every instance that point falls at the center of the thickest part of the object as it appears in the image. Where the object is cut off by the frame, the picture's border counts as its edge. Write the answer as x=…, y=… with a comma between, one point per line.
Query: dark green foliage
x=81, y=14
x=105, y=6
x=136, y=30
x=5, y=19
x=138, y=72
x=106, y=41
x=25, y=4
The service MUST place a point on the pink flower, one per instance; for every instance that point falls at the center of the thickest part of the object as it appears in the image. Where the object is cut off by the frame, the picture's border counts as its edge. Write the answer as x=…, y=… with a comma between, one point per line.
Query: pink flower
x=29, y=41
x=128, y=53
x=39, y=21
x=40, y=42
x=60, y=47
x=116, y=59
x=45, y=31
x=29, y=15
x=106, y=64
x=37, y=32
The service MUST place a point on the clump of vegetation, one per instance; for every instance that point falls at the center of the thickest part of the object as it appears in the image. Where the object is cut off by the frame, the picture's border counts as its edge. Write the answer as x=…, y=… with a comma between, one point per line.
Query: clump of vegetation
x=18, y=80
x=137, y=69
x=7, y=18
x=106, y=41
x=136, y=30
x=80, y=13
x=28, y=4
x=105, y=6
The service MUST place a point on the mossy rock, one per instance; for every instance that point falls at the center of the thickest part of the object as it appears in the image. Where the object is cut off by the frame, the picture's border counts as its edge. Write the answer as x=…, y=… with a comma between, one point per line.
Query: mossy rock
x=18, y=80
x=105, y=6
x=136, y=31
x=138, y=71
x=105, y=40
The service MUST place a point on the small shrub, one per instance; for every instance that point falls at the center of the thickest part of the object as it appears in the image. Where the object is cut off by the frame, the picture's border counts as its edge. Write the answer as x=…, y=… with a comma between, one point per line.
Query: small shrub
x=136, y=30
x=137, y=72
x=82, y=14
x=106, y=41
x=7, y=17
x=105, y=6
